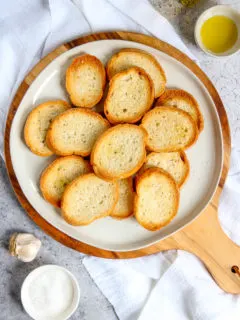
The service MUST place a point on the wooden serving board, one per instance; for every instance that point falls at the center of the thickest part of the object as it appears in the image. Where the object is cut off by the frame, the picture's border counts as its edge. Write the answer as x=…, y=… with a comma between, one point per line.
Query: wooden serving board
x=204, y=236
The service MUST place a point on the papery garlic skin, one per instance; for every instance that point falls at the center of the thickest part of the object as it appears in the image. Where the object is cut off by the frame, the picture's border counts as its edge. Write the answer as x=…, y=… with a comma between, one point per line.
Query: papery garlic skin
x=24, y=246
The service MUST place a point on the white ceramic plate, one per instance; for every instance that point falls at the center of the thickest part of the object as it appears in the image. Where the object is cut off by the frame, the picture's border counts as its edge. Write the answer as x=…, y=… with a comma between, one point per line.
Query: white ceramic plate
x=205, y=156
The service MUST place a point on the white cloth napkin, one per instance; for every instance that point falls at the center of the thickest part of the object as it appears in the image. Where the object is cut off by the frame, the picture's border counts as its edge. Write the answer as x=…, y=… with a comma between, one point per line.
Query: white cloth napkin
x=172, y=285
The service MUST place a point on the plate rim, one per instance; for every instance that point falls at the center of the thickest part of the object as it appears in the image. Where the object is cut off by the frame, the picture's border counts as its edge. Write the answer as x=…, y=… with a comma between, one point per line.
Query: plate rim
x=43, y=63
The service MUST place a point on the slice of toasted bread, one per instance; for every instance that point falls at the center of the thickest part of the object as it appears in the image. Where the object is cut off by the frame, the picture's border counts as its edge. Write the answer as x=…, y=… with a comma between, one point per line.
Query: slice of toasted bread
x=59, y=174
x=183, y=100
x=37, y=124
x=85, y=81
x=175, y=163
x=75, y=132
x=88, y=198
x=127, y=58
x=119, y=152
x=124, y=206
x=157, y=199
x=169, y=129
x=130, y=95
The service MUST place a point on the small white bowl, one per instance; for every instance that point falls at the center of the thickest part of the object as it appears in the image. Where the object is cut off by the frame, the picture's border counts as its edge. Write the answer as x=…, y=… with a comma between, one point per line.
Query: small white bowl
x=220, y=10
x=25, y=297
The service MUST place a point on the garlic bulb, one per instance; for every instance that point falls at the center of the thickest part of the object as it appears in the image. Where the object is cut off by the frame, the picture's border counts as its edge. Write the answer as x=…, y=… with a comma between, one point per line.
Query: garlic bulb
x=24, y=246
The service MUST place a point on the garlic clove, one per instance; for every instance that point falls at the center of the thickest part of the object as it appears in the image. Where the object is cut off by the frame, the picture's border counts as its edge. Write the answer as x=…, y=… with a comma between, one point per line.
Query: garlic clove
x=24, y=246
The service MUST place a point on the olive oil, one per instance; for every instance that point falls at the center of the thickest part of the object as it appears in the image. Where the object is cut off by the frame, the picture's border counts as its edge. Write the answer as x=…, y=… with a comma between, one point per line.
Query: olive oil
x=219, y=34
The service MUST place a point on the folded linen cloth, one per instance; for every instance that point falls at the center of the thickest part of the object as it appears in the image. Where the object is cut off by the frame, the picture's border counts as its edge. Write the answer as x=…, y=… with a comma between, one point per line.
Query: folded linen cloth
x=171, y=285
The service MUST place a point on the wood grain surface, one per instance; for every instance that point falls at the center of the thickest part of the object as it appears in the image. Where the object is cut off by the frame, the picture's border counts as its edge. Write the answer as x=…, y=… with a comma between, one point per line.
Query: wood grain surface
x=204, y=236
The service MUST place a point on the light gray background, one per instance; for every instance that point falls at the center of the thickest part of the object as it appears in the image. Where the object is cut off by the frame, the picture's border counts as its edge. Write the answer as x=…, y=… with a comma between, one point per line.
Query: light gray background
x=225, y=74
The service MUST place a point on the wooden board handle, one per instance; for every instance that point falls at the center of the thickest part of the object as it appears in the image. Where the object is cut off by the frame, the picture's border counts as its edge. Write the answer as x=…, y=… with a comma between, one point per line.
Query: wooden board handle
x=206, y=239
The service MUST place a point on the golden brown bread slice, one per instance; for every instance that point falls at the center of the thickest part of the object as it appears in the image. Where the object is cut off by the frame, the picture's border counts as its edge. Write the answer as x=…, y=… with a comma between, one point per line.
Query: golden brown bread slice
x=130, y=95
x=88, y=198
x=59, y=174
x=175, y=163
x=169, y=129
x=157, y=199
x=124, y=206
x=127, y=58
x=183, y=100
x=85, y=81
x=37, y=124
x=119, y=152
x=75, y=132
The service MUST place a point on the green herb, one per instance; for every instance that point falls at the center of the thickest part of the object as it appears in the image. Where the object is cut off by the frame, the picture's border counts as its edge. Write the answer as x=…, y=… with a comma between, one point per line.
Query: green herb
x=189, y=3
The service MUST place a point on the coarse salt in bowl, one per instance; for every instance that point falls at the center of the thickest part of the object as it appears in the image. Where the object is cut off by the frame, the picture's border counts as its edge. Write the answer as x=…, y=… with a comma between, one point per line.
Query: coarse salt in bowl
x=50, y=292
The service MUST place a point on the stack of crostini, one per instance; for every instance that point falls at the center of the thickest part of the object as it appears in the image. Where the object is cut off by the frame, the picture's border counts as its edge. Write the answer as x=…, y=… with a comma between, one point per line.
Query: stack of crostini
x=120, y=142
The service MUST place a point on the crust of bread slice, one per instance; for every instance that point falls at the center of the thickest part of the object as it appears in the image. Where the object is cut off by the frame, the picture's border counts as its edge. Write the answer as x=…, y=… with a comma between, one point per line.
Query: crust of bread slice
x=75, y=132
x=124, y=206
x=130, y=95
x=59, y=174
x=157, y=199
x=119, y=152
x=169, y=129
x=131, y=57
x=175, y=163
x=85, y=81
x=37, y=124
x=183, y=100
x=88, y=198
